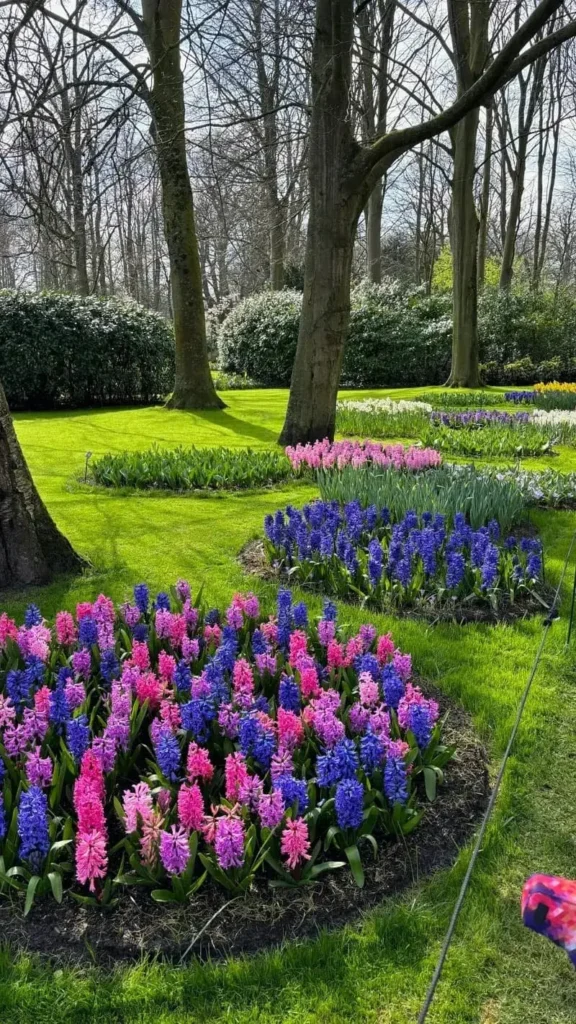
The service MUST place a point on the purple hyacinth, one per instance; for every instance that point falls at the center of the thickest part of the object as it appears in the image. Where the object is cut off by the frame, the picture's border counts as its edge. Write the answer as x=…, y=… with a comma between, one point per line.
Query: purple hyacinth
x=229, y=843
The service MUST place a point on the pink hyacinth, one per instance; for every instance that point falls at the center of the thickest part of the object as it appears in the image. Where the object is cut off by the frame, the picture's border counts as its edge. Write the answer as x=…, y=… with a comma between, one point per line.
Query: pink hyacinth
x=380, y=722
x=295, y=843
x=140, y=655
x=178, y=630
x=151, y=832
x=298, y=645
x=174, y=850
x=235, y=773
x=290, y=729
x=65, y=628
x=198, y=763
x=229, y=842
x=16, y=738
x=8, y=629
x=83, y=610
x=190, y=807
x=150, y=688
x=271, y=809
x=91, y=857
x=242, y=683
x=337, y=454
x=170, y=714
x=335, y=655
x=368, y=689
x=137, y=806
x=354, y=647
x=166, y=665
x=8, y=711
x=384, y=648
x=213, y=634
x=38, y=768
x=270, y=631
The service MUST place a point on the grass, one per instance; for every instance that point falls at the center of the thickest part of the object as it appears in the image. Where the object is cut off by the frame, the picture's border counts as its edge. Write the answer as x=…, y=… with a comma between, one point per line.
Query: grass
x=376, y=972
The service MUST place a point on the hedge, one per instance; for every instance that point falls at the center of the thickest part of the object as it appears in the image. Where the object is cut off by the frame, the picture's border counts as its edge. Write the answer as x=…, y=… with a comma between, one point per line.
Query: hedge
x=71, y=351
x=402, y=337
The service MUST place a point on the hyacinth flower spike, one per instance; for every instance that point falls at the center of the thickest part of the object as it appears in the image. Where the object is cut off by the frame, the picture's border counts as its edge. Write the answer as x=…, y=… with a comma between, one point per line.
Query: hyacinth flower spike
x=549, y=908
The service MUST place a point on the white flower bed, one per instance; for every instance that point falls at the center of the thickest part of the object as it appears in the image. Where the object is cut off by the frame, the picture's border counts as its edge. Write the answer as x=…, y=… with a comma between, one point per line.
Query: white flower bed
x=554, y=417
x=388, y=405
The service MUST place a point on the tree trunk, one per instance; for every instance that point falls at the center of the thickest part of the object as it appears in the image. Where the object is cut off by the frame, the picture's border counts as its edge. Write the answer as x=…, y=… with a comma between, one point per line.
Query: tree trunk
x=464, y=239
x=193, y=388
x=332, y=220
x=509, y=251
x=277, y=240
x=485, y=200
x=32, y=549
x=374, y=234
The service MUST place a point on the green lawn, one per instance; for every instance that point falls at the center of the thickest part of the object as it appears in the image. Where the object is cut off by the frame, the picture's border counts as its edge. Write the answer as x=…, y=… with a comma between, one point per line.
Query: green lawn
x=378, y=970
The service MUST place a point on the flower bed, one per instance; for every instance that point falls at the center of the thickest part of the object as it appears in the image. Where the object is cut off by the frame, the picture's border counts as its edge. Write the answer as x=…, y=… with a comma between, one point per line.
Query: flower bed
x=154, y=745
x=462, y=399
x=419, y=562
x=478, y=418
x=479, y=494
x=555, y=385
x=521, y=397
x=327, y=455
x=186, y=469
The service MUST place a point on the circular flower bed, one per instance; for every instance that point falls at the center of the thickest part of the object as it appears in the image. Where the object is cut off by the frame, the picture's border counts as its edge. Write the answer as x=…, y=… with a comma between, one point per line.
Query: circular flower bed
x=159, y=745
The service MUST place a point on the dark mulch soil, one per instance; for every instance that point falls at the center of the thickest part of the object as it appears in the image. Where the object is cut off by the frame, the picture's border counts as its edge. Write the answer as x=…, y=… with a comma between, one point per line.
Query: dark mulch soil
x=216, y=926
x=253, y=560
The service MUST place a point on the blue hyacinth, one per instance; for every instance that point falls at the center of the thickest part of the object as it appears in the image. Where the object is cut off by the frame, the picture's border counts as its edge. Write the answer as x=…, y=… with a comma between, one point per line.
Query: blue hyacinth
x=392, y=685
x=420, y=723
x=87, y=632
x=259, y=645
x=300, y=615
x=2, y=818
x=256, y=741
x=33, y=828
x=294, y=793
x=109, y=666
x=141, y=597
x=32, y=616
x=289, y=694
x=349, y=803
x=140, y=632
x=77, y=736
x=59, y=711
x=162, y=602
x=329, y=611
x=395, y=780
x=182, y=677
x=371, y=752
x=327, y=769
x=455, y=569
x=347, y=758
x=197, y=715
x=167, y=750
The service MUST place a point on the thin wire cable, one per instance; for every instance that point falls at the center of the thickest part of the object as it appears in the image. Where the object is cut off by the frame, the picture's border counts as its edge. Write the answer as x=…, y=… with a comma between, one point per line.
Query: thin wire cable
x=487, y=814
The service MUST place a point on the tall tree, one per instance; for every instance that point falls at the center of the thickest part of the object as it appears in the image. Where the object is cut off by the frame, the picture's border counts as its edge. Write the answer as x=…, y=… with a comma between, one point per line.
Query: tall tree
x=159, y=83
x=32, y=549
x=341, y=176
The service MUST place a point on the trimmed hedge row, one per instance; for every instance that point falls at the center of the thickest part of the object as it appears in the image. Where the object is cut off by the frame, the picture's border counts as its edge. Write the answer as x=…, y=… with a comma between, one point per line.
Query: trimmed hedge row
x=403, y=338
x=71, y=351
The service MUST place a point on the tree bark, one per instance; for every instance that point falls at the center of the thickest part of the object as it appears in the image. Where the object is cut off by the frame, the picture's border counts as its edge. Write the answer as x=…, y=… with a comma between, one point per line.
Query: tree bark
x=464, y=226
x=374, y=234
x=485, y=200
x=32, y=549
x=332, y=221
x=193, y=388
